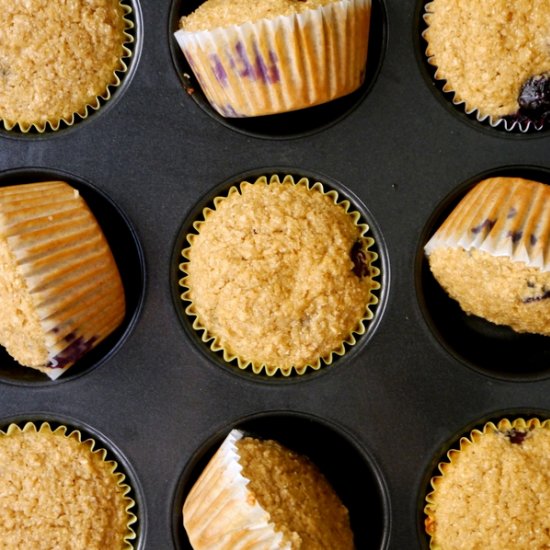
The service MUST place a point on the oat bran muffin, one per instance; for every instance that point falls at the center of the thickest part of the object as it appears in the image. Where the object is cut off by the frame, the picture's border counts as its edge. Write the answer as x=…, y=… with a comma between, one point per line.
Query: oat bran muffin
x=493, y=56
x=60, y=288
x=59, y=492
x=493, y=492
x=492, y=253
x=279, y=275
x=275, y=56
x=58, y=58
x=256, y=493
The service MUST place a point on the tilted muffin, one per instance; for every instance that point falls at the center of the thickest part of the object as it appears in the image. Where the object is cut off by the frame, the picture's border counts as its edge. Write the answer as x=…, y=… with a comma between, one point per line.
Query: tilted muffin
x=275, y=56
x=61, y=492
x=60, y=289
x=492, y=253
x=258, y=494
x=279, y=275
x=59, y=60
x=493, y=492
x=494, y=57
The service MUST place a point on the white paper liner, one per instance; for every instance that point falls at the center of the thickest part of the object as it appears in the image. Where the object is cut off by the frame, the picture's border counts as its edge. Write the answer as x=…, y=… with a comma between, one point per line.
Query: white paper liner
x=281, y=64
x=502, y=216
x=67, y=266
x=220, y=512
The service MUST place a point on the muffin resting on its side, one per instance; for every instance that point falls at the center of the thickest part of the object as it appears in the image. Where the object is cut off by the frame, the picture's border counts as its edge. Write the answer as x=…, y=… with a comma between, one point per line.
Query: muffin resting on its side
x=60, y=492
x=279, y=275
x=58, y=58
x=276, y=56
x=493, y=492
x=492, y=253
x=258, y=494
x=493, y=56
x=60, y=289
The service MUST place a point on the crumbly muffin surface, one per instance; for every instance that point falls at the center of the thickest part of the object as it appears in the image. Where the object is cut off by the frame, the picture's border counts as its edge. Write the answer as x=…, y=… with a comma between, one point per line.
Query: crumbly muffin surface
x=56, y=493
x=494, y=494
x=56, y=57
x=502, y=291
x=223, y=13
x=299, y=499
x=487, y=50
x=271, y=276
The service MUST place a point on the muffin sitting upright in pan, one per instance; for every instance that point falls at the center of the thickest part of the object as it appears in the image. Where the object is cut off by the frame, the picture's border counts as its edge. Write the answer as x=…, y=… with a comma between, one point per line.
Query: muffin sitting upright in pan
x=273, y=56
x=60, y=289
x=494, y=57
x=58, y=59
x=493, y=492
x=256, y=493
x=61, y=492
x=492, y=253
x=279, y=275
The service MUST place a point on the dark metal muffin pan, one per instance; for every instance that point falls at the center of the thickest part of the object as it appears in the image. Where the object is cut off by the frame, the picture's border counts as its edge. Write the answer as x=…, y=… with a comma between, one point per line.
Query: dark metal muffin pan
x=384, y=412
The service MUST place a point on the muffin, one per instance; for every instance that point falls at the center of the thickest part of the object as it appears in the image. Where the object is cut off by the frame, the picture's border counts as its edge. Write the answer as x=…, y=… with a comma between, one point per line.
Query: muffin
x=59, y=60
x=492, y=253
x=493, y=492
x=276, y=56
x=258, y=494
x=60, y=289
x=493, y=56
x=61, y=492
x=279, y=275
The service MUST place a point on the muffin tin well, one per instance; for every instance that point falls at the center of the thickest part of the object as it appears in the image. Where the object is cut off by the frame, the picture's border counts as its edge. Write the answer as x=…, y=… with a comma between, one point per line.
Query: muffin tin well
x=491, y=349
x=286, y=125
x=126, y=248
x=379, y=417
x=381, y=264
x=351, y=470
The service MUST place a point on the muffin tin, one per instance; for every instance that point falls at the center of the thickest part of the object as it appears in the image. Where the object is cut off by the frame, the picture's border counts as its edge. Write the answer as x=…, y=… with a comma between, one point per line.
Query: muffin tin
x=379, y=418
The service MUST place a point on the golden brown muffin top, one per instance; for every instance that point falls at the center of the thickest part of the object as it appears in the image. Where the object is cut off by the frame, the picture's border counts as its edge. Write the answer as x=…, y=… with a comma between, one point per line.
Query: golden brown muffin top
x=56, y=57
x=223, y=13
x=299, y=499
x=57, y=493
x=271, y=274
x=495, y=493
x=487, y=50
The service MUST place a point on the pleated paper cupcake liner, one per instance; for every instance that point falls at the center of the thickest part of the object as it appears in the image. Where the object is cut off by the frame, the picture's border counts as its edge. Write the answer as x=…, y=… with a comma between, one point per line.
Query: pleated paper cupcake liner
x=28, y=508
x=502, y=216
x=65, y=269
x=219, y=345
x=220, y=511
x=56, y=121
x=281, y=64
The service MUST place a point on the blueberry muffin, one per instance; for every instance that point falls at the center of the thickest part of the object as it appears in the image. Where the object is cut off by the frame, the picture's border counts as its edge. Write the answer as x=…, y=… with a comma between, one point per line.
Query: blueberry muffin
x=60, y=288
x=492, y=253
x=59, y=59
x=494, y=57
x=258, y=494
x=275, y=56
x=493, y=492
x=279, y=275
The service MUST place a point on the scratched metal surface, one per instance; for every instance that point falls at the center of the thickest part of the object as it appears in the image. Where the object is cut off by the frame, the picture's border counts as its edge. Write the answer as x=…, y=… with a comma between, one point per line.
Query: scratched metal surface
x=378, y=418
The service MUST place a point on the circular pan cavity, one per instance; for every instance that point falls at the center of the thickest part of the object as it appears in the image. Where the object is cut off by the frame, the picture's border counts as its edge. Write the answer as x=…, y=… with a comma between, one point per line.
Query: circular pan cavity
x=123, y=466
x=128, y=254
x=501, y=127
x=453, y=443
x=350, y=470
x=131, y=54
x=493, y=350
x=293, y=124
x=381, y=263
